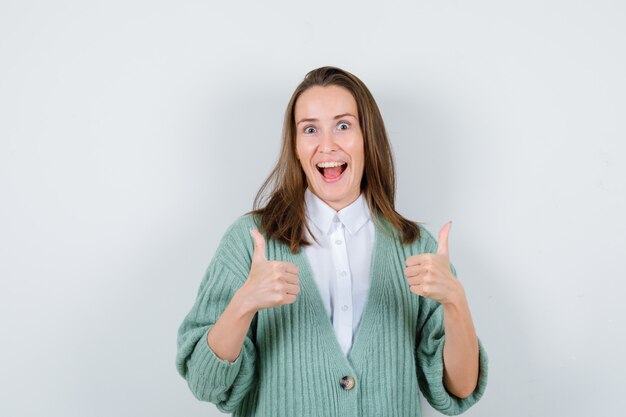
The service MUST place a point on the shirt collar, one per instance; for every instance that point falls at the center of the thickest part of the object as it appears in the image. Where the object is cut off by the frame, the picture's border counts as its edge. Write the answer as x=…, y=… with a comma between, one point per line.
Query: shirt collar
x=353, y=216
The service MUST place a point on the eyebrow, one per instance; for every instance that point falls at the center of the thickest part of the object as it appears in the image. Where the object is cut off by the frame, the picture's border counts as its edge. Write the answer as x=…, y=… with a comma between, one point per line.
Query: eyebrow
x=339, y=116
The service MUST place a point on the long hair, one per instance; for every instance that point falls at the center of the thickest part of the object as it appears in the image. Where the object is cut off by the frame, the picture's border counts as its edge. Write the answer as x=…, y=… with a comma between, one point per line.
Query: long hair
x=281, y=214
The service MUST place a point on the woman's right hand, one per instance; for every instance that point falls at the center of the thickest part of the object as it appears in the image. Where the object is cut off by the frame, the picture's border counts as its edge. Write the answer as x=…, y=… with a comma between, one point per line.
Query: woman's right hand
x=270, y=283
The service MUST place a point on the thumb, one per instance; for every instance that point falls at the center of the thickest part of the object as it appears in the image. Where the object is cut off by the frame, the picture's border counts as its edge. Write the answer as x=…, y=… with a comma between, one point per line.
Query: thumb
x=259, y=246
x=442, y=246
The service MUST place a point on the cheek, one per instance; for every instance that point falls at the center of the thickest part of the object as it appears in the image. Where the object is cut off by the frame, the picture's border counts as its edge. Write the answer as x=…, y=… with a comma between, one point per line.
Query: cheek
x=357, y=153
x=303, y=152
x=299, y=150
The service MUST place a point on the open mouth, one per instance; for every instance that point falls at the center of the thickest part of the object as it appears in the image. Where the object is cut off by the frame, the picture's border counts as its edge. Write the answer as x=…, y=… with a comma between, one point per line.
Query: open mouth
x=331, y=171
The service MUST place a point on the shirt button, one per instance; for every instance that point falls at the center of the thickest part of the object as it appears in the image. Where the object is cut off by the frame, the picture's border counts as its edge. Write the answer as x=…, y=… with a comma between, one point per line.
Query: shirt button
x=347, y=382
x=344, y=273
x=344, y=308
x=338, y=242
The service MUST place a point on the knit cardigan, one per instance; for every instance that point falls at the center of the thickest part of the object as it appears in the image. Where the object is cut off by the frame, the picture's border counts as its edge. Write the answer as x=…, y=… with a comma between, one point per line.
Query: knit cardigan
x=291, y=363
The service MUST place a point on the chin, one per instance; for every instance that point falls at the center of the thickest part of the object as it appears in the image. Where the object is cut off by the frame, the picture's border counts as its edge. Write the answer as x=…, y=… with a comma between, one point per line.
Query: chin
x=335, y=197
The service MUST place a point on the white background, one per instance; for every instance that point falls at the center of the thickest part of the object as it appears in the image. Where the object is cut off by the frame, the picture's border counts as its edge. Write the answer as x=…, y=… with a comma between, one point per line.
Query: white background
x=132, y=133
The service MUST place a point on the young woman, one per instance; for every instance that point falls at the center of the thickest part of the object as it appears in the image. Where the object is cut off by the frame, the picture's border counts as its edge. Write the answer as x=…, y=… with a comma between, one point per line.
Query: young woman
x=324, y=300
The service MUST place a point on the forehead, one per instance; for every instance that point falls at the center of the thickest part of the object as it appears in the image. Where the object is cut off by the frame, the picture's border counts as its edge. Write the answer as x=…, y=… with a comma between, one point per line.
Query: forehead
x=324, y=102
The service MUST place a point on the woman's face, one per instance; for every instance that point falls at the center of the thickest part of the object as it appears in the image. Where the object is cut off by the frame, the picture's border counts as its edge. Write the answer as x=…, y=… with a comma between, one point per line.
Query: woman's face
x=329, y=144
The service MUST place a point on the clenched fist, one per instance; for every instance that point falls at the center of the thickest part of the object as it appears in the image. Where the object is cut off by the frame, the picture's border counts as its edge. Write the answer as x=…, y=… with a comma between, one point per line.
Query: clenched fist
x=270, y=283
x=429, y=274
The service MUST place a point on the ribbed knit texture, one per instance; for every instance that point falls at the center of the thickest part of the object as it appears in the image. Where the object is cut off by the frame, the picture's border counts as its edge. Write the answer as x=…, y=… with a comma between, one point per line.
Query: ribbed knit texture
x=291, y=363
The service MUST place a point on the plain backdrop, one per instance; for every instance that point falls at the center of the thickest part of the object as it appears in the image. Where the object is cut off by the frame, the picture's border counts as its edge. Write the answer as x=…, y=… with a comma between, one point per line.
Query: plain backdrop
x=132, y=133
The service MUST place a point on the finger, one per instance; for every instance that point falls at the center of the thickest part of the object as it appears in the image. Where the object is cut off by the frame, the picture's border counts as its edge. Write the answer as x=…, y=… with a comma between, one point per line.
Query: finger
x=416, y=289
x=285, y=269
x=442, y=246
x=418, y=259
x=413, y=271
x=292, y=289
x=289, y=267
x=291, y=278
x=426, y=290
x=259, y=246
x=417, y=280
x=419, y=290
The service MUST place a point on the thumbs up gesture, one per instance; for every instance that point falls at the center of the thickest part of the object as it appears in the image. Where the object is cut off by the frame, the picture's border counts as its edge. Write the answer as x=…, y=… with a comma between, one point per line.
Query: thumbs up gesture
x=429, y=274
x=270, y=283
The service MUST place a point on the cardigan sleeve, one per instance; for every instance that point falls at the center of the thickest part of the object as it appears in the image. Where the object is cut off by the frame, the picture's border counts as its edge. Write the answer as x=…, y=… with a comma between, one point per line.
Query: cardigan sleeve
x=429, y=353
x=430, y=366
x=209, y=377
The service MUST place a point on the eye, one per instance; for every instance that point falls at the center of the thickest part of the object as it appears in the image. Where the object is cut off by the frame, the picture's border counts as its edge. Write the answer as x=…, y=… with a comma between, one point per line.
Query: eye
x=344, y=123
x=306, y=129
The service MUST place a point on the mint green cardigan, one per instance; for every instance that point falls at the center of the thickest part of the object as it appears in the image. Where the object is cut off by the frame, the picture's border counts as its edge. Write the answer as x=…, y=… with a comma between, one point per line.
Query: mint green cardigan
x=291, y=363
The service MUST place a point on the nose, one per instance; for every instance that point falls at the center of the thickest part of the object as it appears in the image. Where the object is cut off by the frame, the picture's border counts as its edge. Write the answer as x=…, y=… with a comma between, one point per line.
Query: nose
x=327, y=143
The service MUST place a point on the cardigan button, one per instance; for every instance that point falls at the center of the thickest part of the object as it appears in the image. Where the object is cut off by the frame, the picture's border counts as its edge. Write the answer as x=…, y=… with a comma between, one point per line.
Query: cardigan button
x=347, y=382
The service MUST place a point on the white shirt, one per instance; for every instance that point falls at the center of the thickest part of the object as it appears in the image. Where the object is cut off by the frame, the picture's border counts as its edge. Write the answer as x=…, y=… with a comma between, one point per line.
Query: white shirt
x=341, y=261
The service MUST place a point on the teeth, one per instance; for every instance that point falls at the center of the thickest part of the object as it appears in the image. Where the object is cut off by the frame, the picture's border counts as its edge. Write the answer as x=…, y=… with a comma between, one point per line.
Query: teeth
x=330, y=164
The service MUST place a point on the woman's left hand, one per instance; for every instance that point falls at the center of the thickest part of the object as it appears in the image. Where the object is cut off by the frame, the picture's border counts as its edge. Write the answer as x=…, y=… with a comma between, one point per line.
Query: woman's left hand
x=429, y=274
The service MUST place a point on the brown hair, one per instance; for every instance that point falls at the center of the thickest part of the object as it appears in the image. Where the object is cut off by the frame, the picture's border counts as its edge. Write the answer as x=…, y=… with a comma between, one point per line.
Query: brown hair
x=283, y=217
